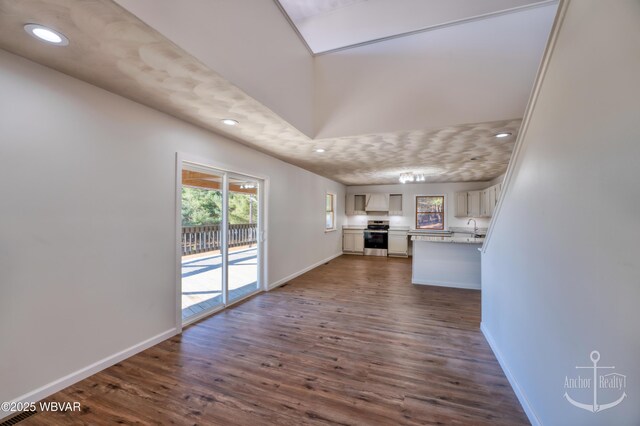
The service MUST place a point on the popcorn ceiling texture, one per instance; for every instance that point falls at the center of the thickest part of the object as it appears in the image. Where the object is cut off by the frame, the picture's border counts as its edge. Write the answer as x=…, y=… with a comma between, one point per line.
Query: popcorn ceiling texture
x=112, y=49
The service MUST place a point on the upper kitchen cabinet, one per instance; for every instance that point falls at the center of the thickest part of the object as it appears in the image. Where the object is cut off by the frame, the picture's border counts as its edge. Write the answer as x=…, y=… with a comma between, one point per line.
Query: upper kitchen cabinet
x=395, y=205
x=355, y=204
x=461, y=204
x=377, y=203
x=478, y=203
x=360, y=204
x=474, y=200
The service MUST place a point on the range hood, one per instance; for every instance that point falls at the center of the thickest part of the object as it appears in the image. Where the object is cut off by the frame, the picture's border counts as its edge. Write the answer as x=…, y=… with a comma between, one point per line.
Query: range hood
x=377, y=203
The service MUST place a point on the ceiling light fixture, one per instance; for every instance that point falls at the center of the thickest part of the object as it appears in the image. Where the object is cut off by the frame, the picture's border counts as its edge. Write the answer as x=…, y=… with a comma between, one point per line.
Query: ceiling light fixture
x=406, y=177
x=47, y=35
x=230, y=122
x=412, y=177
x=320, y=150
x=503, y=134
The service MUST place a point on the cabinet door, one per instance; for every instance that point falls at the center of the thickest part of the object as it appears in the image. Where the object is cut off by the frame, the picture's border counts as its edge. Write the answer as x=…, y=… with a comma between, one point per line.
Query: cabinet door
x=461, y=204
x=358, y=242
x=359, y=201
x=398, y=243
x=349, y=205
x=484, y=203
x=473, y=203
x=492, y=200
x=395, y=205
x=348, y=242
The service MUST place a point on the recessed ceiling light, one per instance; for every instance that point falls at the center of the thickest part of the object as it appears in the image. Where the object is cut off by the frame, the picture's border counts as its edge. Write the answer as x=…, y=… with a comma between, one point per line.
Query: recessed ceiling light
x=46, y=34
x=320, y=150
x=230, y=122
x=503, y=134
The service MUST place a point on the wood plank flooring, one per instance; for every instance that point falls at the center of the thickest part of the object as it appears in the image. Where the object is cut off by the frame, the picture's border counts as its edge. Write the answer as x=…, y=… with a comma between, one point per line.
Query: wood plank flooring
x=352, y=342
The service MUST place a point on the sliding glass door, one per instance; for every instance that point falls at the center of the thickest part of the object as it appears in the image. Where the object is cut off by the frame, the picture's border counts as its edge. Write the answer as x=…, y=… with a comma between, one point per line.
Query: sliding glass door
x=243, y=237
x=220, y=247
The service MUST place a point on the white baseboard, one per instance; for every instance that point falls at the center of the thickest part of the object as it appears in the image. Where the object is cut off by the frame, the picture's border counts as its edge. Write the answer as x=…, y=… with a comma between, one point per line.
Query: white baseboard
x=297, y=274
x=524, y=402
x=70, y=379
x=446, y=284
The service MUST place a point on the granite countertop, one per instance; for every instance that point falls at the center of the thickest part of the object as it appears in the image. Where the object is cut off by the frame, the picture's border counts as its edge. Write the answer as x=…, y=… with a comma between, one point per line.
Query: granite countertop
x=430, y=232
x=447, y=239
x=463, y=230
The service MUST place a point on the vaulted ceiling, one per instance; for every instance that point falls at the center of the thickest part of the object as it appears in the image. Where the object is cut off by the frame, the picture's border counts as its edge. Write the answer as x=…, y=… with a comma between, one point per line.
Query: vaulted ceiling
x=112, y=48
x=327, y=25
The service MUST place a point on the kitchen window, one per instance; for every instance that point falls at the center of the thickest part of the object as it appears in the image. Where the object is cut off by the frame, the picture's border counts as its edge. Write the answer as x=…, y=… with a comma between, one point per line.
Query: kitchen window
x=430, y=212
x=330, y=212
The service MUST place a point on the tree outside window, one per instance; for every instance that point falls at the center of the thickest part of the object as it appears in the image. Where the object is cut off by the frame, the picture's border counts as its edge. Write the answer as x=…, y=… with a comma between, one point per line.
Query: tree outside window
x=430, y=212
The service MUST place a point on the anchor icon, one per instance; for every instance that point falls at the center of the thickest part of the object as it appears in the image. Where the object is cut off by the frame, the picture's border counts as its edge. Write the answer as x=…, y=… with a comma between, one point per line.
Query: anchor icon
x=595, y=407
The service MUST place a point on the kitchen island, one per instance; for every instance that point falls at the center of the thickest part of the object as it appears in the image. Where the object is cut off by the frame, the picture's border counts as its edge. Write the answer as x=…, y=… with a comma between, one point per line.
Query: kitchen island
x=448, y=260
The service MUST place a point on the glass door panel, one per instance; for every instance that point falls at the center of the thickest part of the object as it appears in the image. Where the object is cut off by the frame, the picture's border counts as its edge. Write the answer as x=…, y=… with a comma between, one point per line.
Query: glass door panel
x=202, y=242
x=243, y=246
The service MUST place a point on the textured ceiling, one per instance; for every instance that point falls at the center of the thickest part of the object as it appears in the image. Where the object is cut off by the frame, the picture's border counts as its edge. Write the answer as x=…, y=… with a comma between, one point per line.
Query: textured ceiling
x=112, y=49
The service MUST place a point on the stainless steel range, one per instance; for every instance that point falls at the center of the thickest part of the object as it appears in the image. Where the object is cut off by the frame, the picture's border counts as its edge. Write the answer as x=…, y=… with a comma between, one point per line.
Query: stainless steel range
x=376, y=238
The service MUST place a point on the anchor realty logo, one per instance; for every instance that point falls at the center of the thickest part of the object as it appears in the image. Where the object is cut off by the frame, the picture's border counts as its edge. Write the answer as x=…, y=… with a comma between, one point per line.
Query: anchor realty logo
x=608, y=384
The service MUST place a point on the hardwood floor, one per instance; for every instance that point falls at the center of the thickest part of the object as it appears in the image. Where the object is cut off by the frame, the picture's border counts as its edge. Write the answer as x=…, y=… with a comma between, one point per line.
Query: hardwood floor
x=350, y=342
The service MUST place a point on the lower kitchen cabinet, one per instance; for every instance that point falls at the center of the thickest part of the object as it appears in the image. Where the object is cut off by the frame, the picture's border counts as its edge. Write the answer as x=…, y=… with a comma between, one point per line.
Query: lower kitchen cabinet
x=353, y=241
x=398, y=244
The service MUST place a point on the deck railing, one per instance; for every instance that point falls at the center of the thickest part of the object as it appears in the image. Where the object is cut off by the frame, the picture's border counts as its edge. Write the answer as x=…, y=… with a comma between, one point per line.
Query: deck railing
x=198, y=239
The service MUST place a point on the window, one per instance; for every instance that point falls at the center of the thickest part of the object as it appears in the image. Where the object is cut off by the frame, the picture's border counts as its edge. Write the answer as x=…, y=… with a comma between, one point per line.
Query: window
x=330, y=213
x=430, y=212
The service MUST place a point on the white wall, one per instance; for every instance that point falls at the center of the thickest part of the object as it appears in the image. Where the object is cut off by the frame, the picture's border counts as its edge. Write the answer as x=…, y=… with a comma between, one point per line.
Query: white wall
x=561, y=273
x=87, y=221
x=248, y=42
x=409, y=192
x=477, y=72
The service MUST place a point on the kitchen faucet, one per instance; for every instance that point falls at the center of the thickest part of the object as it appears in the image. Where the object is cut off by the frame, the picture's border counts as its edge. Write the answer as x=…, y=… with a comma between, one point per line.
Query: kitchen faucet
x=475, y=226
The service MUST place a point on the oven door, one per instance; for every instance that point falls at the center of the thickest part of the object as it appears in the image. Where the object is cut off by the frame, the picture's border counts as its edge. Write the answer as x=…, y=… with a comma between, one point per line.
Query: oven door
x=375, y=243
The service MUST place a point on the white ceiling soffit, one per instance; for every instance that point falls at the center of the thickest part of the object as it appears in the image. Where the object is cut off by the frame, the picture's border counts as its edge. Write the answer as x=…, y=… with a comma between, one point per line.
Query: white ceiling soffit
x=330, y=25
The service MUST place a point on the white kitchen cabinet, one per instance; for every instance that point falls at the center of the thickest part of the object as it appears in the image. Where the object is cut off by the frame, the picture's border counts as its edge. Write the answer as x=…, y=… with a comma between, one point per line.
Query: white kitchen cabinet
x=349, y=205
x=354, y=204
x=395, y=205
x=491, y=200
x=461, y=204
x=484, y=203
x=398, y=244
x=359, y=203
x=359, y=243
x=353, y=241
x=474, y=203
x=480, y=203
